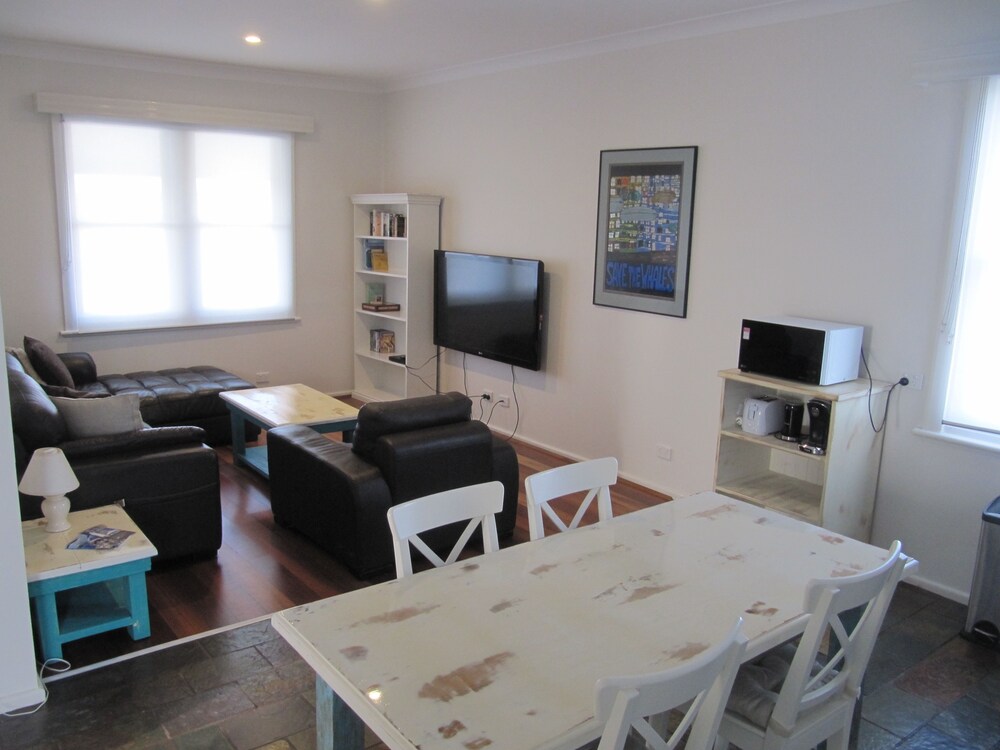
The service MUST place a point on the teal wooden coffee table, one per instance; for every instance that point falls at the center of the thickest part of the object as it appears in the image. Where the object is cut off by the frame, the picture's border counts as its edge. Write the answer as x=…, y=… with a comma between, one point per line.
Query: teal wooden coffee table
x=82, y=592
x=280, y=405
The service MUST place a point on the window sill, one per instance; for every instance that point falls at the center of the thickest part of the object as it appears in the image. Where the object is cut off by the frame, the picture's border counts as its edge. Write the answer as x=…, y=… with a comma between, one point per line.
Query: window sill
x=960, y=436
x=192, y=326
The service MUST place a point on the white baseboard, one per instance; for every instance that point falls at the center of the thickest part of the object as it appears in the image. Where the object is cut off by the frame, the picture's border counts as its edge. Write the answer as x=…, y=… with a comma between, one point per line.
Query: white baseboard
x=27, y=699
x=962, y=597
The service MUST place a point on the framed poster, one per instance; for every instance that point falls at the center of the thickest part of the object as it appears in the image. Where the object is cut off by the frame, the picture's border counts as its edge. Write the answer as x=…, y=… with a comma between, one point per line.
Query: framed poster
x=646, y=198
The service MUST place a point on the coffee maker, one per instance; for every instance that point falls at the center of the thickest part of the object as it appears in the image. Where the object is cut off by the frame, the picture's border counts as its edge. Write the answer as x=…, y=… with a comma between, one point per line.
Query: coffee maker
x=791, y=427
x=819, y=427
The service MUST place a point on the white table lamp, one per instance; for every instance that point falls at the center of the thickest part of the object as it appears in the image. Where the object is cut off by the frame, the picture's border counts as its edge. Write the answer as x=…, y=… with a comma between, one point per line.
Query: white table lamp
x=49, y=475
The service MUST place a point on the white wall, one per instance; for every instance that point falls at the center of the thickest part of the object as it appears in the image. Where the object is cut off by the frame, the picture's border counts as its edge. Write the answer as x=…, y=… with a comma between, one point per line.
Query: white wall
x=824, y=185
x=19, y=683
x=331, y=163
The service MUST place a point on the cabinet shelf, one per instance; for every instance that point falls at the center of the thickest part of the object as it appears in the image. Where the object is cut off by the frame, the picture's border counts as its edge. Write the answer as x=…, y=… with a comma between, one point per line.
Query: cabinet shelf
x=835, y=490
x=394, y=315
x=771, y=442
x=777, y=492
x=383, y=274
x=408, y=282
x=380, y=357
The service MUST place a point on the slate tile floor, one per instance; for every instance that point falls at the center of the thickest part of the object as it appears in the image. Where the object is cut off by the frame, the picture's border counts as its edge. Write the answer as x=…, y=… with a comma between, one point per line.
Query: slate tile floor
x=926, y=689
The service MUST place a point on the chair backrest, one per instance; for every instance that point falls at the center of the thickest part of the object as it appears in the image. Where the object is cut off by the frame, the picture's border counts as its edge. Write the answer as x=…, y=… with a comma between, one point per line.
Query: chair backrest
x=848, y=613
x=379, y=418
x=623, y=703
x=476, y=503
x=594, y=477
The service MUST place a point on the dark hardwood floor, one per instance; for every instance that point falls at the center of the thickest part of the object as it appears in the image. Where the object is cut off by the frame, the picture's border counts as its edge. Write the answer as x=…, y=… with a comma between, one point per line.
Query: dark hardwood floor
x=262, y=568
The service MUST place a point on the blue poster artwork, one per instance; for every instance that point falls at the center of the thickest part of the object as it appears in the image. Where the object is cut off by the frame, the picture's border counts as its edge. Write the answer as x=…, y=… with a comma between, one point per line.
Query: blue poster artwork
x=643, y=225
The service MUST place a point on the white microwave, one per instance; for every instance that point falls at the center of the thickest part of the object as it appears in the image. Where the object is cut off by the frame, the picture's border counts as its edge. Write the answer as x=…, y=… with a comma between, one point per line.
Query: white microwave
x=817, y=352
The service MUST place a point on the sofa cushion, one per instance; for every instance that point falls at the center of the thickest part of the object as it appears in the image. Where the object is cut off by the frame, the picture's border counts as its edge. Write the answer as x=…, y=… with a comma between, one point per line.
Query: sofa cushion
x=61, y=390
x=47, y=363
x=174, y=396
x=25, y=361
x=90, y=417
x=377, y=419
x=755, y=690
x=35, y=419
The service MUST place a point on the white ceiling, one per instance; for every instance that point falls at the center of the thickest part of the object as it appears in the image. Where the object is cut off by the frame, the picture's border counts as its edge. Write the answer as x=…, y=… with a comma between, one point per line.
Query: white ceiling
x=384, y=42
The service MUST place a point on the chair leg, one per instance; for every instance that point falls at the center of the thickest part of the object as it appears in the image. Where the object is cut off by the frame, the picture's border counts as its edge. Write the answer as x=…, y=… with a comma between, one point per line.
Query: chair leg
x=839, y=740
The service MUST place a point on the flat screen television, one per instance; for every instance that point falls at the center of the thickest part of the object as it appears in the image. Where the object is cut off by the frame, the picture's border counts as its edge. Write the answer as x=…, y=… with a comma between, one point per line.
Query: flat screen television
x=490, y=306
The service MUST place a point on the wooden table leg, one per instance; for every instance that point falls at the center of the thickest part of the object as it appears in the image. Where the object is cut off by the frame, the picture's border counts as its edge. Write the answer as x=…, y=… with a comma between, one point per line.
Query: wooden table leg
x=47, y=619
x=138, y=605
x=238, y=428
x=337, y=726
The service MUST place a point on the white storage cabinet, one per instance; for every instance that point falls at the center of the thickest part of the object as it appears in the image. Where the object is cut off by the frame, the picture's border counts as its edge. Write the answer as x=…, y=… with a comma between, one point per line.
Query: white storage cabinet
x=835, y=490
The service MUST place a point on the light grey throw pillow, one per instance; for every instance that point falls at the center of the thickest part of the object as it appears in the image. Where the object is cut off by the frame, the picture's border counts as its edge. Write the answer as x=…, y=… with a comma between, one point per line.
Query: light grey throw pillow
x=90, y=417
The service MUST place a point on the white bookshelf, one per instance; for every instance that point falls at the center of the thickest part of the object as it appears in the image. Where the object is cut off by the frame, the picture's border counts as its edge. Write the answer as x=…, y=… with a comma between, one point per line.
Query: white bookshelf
x=409, y=282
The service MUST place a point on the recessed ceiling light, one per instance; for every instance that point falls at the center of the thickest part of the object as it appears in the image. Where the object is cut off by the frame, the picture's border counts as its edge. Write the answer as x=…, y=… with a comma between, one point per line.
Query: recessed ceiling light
x=252, y=39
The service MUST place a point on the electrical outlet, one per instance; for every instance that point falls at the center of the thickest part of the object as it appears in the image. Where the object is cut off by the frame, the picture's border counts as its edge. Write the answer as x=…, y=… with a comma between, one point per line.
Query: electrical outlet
x=916, y=382
x=503, y=400
x=262, y=378
x=664, y=452
x=487, y=395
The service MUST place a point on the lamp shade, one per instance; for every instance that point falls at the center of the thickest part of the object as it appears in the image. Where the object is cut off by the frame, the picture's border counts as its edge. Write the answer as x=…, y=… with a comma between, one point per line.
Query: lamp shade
x=48, y=474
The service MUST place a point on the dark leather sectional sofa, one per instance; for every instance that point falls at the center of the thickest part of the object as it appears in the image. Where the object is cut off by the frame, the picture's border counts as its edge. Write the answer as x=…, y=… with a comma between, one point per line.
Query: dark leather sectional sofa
x=181, y=396
x=166, y=475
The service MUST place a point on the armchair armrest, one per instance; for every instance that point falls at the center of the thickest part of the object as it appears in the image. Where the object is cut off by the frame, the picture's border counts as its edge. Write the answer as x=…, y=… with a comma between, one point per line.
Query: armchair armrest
x=81, y=366
x=145, y=439
x=331, y=495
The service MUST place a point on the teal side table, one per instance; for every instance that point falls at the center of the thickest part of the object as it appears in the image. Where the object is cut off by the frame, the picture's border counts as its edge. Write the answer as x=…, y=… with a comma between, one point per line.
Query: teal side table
x=79, y=593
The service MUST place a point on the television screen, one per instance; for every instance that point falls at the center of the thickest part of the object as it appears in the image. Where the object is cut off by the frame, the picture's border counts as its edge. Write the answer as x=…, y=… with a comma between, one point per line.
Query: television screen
x=489, y=305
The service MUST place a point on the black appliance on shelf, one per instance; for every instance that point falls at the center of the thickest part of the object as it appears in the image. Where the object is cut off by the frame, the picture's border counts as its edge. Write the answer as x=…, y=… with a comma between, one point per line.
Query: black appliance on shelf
x=819, y=427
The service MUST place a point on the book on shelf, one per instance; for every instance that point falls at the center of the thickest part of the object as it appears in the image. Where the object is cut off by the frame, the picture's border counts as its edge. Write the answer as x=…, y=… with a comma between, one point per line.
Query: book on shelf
x=374, y=293
x=383, y=341
x=387, y=224
x=370, y=247
x=380, y=306
x=380, y=260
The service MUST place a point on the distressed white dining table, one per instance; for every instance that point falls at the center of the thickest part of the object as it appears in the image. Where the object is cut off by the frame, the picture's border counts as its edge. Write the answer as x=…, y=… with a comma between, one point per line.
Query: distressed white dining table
x=503, y=650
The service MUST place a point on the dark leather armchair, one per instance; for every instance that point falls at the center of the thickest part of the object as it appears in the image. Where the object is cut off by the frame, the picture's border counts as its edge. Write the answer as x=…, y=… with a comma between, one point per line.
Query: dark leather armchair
x=166, y=476
x=338, y=494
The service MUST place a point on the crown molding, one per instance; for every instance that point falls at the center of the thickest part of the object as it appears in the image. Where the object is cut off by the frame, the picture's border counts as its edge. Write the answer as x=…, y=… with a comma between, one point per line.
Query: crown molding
x=959, y=63
x=180, y=66
x=780, y=11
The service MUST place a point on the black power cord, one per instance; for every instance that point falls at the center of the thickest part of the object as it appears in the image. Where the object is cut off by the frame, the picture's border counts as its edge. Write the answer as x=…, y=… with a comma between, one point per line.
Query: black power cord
x=494, y=404
x=904, y=381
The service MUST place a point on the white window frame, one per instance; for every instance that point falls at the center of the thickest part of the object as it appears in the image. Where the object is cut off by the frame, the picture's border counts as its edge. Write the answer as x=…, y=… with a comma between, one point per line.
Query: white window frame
x=164, y=115
x=975, y=67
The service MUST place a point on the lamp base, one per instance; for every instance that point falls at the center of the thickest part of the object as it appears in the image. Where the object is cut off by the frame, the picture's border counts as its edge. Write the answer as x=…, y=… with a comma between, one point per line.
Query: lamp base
x=56, y=510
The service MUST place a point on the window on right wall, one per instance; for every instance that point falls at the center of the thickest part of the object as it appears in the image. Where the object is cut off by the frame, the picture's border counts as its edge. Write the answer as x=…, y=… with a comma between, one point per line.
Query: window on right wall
x=971, y=407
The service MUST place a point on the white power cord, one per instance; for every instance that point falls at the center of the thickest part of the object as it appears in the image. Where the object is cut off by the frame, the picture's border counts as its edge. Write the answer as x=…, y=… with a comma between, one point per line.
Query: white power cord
x=52, y=665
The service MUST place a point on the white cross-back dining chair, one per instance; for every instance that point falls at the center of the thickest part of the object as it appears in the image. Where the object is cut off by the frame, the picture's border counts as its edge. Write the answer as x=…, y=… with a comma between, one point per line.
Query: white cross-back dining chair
x=594, y=477
x=476, y=503
x=788, y=698
x=699, y=688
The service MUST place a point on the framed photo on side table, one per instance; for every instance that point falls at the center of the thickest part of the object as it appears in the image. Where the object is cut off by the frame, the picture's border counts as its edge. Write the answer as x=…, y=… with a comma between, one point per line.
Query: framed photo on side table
x=645, y=205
